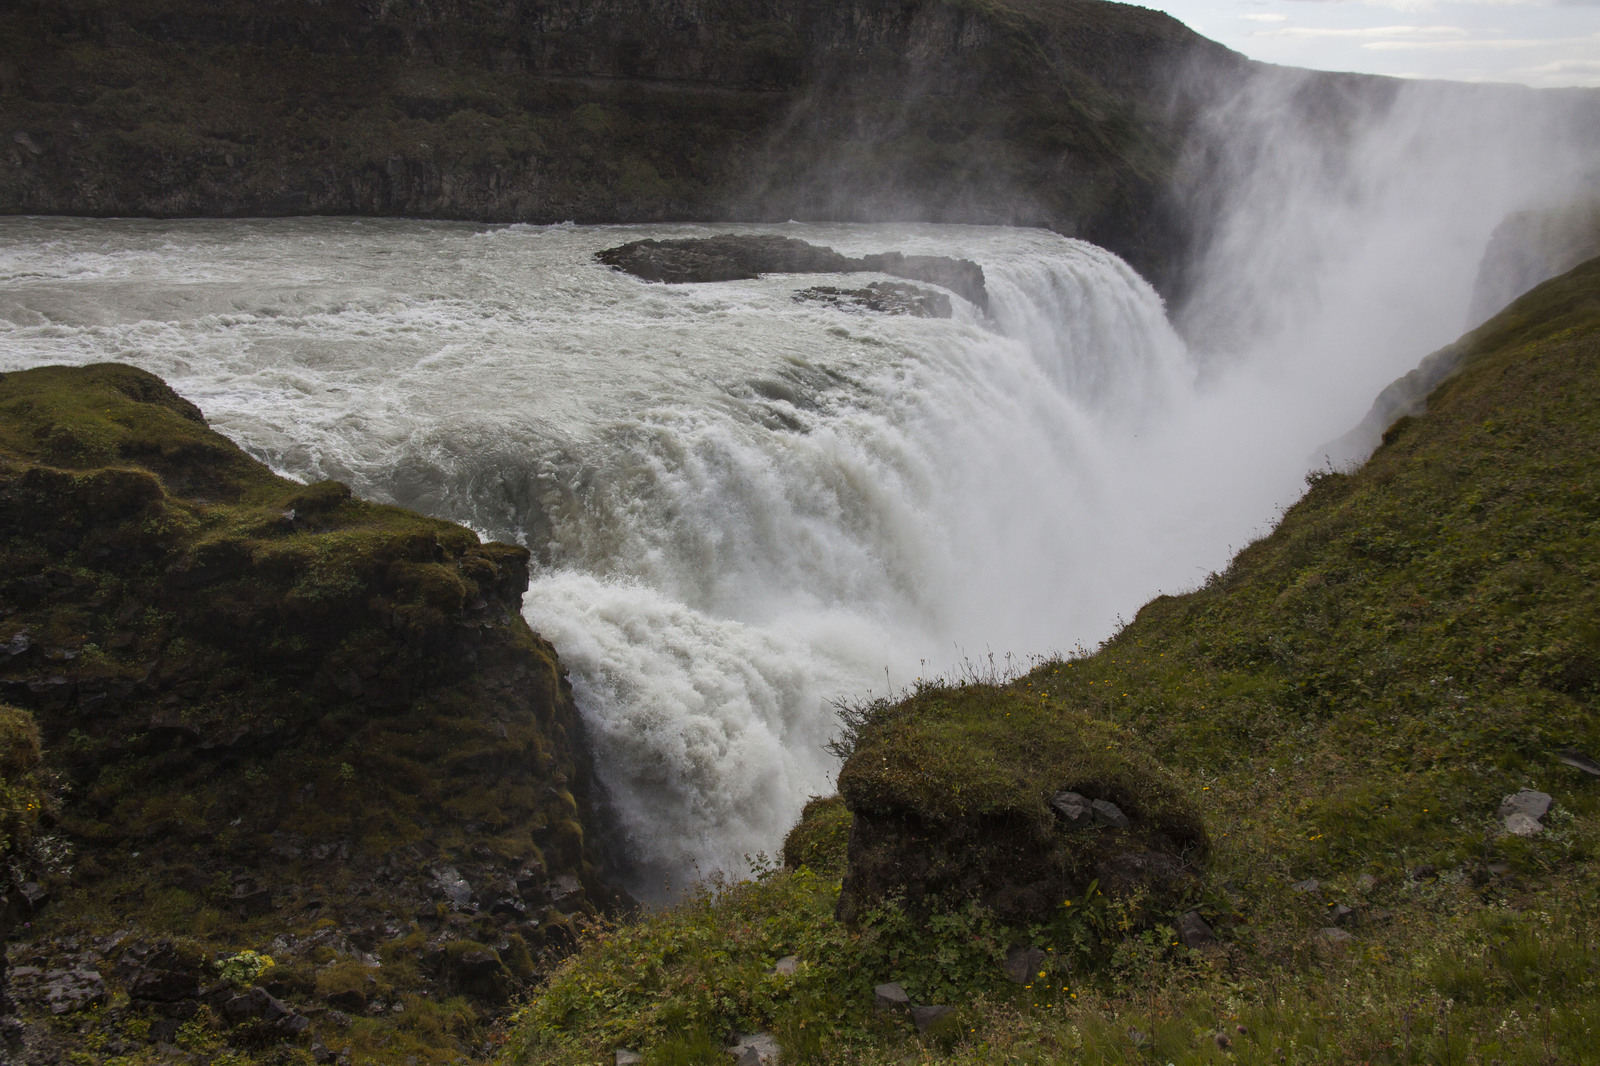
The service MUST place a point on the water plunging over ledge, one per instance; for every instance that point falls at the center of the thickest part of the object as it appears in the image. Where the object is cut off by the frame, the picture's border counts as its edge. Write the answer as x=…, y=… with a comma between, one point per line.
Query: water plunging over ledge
x=742, y=506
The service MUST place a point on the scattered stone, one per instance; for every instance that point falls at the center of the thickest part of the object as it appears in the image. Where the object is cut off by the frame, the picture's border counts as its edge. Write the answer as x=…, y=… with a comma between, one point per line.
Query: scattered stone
x=1521, y=811
x=292, y=1026
x=35, y=894
x=72, y=989
x=164, y=1030
x=1074, y=809
x=252, y=901
x=1023, y=963
x=163, y=986
x=624, y=1057
x=564, y=886
x=448, y=882
x=1333, y=939
x=1578, y=761
x=321, y=1054
x=757, y=1049
x=1108, y=813
x=255, y=1003
x=1194, y=931
x=1366, y=883
x=787, y=965
x=509, y=907
x=1306, y=887
x=890, y=997
x=1342, y=915
x=932, y=1019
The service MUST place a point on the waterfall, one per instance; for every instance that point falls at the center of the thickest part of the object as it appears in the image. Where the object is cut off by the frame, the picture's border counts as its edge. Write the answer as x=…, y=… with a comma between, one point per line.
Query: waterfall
x=742, y=506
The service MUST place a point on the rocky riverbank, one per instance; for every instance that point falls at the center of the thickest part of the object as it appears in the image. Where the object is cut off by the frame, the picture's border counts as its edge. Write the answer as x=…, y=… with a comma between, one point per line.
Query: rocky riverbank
x=316, y=785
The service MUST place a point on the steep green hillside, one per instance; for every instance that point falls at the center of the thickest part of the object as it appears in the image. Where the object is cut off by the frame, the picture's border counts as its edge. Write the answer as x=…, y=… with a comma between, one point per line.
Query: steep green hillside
x=1310, y=753
x=282, y=721
x=1057, y=114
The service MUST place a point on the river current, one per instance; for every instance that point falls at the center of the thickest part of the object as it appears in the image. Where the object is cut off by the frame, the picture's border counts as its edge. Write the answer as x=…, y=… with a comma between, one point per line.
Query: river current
x=742, y=507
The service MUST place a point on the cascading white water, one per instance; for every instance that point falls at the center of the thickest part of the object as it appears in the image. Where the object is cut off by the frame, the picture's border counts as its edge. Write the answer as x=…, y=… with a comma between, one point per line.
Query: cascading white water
x=744, y=506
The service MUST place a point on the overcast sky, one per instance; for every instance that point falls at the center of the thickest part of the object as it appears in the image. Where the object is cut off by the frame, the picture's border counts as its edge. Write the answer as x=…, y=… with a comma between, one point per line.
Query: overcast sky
x=1535, y=42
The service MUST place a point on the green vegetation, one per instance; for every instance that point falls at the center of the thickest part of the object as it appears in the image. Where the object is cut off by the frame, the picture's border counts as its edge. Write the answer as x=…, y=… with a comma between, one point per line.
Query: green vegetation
x=1347, y=703
x=287, y=723
x=23, y=797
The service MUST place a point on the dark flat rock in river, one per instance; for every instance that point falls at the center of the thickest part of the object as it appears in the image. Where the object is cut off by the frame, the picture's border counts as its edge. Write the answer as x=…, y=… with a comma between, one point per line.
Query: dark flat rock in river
x=881, y=297
x=736, y=257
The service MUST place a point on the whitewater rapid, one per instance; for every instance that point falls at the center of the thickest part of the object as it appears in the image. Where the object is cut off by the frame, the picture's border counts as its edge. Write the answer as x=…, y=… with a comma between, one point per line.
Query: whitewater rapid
x=742, y=507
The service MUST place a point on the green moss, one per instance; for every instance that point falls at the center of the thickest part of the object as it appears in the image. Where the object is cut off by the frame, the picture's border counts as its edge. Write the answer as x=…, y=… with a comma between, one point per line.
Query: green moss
x=953, y=752
x=820, y=839
x=22, y=797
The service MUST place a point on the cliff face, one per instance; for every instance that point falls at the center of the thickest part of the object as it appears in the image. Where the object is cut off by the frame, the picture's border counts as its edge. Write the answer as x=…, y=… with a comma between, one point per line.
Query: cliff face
x=286, y=721
x=1530, y=247
x=1056, y=113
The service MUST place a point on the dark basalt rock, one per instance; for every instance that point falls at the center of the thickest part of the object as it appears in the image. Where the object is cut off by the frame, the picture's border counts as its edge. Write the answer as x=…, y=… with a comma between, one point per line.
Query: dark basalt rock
x=736, y=257
x=881, y=297
x=936, y=830
x=1194, y=931
x=606, y=111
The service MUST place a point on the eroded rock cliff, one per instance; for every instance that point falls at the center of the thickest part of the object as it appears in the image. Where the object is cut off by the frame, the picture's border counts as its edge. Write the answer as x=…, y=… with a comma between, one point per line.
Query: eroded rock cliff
x=284, y=721
x=1058, y=113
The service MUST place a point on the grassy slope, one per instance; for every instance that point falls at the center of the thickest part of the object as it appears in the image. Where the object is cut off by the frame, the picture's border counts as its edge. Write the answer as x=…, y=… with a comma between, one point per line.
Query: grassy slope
x=1349, y=701
x=245, y=681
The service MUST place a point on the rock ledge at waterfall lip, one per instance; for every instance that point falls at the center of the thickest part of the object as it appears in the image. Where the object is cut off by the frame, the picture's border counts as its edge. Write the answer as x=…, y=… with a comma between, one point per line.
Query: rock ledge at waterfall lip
x=880, y=297
x=739, y=257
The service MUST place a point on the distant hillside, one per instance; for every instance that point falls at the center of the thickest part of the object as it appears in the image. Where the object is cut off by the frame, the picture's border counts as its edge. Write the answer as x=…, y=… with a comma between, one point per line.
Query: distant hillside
x=1058, y=113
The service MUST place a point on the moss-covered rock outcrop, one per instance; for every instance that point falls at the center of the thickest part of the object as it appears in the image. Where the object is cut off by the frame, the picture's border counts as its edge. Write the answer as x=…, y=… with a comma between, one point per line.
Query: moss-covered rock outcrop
x=289, y=721
x=951, y=795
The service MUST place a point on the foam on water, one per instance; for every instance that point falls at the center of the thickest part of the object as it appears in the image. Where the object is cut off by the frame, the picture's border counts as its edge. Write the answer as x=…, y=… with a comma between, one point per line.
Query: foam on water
x=742, y=507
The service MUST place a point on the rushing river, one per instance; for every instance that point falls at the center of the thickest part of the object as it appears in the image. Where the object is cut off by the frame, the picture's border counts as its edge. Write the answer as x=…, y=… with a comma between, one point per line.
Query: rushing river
x=742, y=506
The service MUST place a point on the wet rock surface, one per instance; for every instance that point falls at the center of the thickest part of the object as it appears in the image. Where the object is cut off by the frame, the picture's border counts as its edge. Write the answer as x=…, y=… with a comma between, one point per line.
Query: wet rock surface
x=881, y=297
x=734, y=257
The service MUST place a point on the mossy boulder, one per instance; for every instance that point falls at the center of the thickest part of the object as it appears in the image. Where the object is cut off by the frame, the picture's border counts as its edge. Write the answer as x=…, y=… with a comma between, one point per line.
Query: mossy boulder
x=820, y=840
x=284, y=714
x=951, y=793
